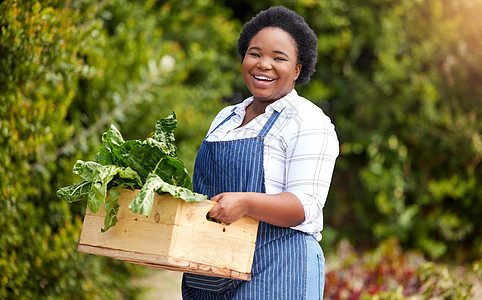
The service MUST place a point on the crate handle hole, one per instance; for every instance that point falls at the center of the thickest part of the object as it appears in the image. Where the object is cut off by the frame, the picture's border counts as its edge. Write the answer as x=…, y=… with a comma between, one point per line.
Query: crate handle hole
x=212, y=219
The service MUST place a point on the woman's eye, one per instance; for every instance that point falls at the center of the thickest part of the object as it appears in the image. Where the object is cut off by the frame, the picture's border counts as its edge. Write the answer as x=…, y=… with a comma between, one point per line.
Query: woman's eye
x=253, y=54
x=280, y=58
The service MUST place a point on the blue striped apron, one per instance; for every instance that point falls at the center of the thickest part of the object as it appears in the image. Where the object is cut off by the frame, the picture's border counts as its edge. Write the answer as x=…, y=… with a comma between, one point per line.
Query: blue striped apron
x=279, y=264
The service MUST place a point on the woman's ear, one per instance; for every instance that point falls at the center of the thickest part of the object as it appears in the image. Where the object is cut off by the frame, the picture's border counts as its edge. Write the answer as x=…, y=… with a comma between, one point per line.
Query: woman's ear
x=297, y=71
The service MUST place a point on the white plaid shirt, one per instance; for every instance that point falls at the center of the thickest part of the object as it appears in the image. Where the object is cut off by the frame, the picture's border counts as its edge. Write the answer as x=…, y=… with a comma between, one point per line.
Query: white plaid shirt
x=299, y=151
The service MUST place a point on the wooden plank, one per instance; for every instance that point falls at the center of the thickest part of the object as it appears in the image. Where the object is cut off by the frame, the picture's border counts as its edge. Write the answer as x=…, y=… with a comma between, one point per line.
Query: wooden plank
x=212, y=249
x=128, y=235
x=163, y=262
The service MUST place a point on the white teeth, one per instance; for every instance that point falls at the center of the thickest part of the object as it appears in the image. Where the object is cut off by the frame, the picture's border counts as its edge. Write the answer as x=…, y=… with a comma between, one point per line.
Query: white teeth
x=263, y=78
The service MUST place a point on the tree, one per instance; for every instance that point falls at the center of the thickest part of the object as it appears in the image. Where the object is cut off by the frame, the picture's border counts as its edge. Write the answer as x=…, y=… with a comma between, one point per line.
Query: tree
x=40, y=63
x=68, y=70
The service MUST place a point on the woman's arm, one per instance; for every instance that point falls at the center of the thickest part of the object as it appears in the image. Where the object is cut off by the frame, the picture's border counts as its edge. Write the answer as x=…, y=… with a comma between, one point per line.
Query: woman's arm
x=283, y=209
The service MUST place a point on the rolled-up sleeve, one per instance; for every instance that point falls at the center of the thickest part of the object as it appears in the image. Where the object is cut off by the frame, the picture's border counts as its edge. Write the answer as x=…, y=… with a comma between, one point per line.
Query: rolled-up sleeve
x=311, y=154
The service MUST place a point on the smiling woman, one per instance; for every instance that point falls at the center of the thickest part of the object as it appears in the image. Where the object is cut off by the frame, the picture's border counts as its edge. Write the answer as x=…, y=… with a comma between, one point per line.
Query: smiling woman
x=270, y=157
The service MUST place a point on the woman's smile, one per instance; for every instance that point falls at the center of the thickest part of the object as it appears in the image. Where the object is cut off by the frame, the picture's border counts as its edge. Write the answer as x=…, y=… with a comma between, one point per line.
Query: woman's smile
x=263, y=80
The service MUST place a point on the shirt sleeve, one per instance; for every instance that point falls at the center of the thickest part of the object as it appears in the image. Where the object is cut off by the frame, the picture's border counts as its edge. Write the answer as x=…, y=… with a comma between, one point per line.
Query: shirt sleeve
x=311, y=154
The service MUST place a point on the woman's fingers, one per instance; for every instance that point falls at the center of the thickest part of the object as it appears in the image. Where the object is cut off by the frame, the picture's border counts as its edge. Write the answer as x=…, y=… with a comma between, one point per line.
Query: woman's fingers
x=214, y=212
x=227, y=208
x=216, y=198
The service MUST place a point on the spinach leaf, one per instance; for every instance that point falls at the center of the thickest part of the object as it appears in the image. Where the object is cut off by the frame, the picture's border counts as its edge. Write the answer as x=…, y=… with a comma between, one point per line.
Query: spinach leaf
x=74, y=192
x=164, y=134
x=111, y=208
x=109, y=150
x=99, y=177
x=142, y=203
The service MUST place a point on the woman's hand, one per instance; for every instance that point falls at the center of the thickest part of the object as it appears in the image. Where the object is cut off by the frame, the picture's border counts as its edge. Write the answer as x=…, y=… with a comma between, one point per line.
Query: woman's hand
x=283, y=209
x=230, y=207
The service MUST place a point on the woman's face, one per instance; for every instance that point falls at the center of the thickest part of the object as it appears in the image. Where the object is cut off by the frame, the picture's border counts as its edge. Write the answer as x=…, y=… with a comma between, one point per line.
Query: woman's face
x=270, y=66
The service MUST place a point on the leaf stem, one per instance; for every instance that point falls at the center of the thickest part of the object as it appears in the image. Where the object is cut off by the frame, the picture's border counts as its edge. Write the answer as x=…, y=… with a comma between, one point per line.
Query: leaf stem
x=154, y=171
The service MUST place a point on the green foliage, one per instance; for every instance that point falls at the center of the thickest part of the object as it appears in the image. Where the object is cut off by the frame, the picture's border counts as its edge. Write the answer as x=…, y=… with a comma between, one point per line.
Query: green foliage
x=150, y=165
x=40, y=65
x=68, y=70
x=412, y=120
x=39, y=261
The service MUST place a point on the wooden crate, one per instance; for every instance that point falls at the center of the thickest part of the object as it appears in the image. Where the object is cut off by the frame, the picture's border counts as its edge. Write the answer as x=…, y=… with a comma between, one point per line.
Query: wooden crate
x=176, y=236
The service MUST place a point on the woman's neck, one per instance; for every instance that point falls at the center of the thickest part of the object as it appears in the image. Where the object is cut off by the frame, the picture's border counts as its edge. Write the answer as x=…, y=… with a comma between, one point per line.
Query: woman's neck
x=255, y=109
x=259, y=107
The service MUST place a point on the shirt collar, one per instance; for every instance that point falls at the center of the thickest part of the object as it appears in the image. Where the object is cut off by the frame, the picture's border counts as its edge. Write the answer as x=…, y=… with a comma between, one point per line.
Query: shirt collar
x=278, y=105
x=281, y=103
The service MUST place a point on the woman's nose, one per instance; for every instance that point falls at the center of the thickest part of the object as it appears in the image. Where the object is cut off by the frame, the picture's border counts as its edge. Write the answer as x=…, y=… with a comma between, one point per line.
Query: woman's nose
x=264, y=63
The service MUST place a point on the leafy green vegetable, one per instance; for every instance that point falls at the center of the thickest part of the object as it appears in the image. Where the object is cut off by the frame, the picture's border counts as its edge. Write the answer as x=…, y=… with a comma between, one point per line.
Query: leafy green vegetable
x=164, y=134
x=111, y=208
x=75, y=191
x=150, y=165
x=143, y=201
x=99, y=176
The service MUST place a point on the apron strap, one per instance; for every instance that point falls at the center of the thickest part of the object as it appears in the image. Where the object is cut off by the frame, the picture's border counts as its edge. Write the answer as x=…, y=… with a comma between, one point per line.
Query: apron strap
x=224, y=121
x=269, y=124
x=264, y=130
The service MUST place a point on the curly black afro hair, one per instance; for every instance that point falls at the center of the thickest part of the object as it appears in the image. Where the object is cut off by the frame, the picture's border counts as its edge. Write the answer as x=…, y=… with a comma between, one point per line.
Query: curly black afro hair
x=295, y=25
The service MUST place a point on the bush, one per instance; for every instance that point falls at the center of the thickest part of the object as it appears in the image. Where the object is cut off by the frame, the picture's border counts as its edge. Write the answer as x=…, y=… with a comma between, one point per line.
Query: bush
x=40, y=58
x=68, y=70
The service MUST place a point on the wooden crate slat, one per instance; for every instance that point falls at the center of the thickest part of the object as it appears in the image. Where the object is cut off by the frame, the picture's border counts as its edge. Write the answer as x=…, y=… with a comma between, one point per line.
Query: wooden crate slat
x=221, y=251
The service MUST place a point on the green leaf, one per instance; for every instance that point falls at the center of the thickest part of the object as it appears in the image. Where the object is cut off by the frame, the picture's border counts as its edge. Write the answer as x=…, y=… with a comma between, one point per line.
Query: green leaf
x=140, y=156
x=104, y=174
x=164, y=134
x=128, y=173
x=100, y=176
x=144, y=200
x=123, y=183
x=172, y=171
x=95, y=198
x=111, y=208
x=151, y=165
x=86, y=170
x=182, y=193
x=144, y=156
x=108, y=153
x=74, y=192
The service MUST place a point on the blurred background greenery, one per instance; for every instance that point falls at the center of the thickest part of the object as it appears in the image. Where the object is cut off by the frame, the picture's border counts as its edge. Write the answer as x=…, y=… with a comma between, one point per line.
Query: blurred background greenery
x=400, y=79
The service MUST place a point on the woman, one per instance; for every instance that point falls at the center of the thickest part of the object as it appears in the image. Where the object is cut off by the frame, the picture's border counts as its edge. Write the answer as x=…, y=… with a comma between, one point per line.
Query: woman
x=270, y=157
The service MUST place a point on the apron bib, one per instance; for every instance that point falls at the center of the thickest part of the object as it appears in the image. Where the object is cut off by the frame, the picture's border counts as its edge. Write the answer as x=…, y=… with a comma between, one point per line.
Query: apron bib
x=279, y=263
